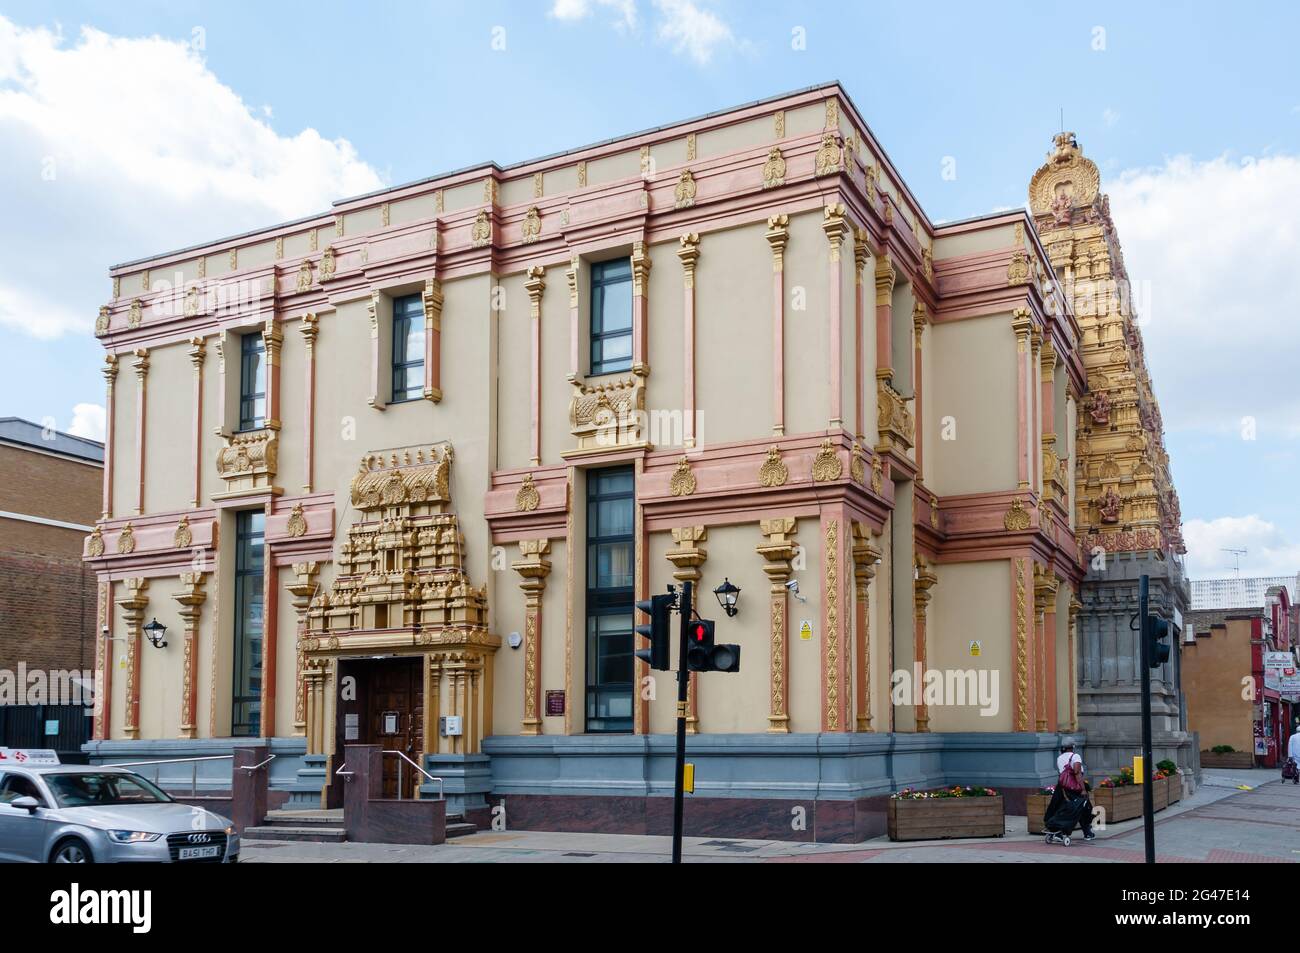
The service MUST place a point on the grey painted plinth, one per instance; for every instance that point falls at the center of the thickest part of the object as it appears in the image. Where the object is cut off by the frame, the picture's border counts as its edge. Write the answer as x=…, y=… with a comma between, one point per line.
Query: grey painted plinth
x=466, y=780
x=1109, y=666
x=307, y=791
x=817, y=766
x=204, y=776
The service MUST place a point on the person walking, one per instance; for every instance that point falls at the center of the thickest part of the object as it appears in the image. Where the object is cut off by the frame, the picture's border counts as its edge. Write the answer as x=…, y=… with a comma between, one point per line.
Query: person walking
x=1291, y=770
x=1070, y=805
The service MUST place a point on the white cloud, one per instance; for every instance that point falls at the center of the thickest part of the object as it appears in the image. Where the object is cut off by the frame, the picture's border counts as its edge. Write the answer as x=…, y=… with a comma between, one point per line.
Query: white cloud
x=121, y=147
x=88, y=421
x=581, y=9
x=1269, y=551
x=1212, y=248
x=692, y=29
x=1109, y=116
x=685, y=25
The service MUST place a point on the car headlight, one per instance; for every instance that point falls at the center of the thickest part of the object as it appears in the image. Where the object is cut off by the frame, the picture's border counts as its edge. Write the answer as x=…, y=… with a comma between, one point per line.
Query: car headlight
x=230, y=829
x=132, y=837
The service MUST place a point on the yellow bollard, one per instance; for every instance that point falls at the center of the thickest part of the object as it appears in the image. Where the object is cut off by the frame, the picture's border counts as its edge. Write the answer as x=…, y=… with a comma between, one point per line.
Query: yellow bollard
x=688, y=778
x=1139, y=772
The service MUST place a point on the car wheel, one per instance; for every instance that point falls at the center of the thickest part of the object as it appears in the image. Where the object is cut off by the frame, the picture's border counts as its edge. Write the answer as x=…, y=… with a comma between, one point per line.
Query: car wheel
x=72, y=851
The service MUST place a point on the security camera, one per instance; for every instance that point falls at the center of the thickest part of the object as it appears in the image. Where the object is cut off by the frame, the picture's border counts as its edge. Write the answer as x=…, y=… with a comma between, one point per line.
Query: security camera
x=793, y=586
x=515, y=640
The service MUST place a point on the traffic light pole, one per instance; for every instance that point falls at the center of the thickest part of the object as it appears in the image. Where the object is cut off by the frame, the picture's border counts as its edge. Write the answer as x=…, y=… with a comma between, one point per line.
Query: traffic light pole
x=1148, y=799
x=683, y=683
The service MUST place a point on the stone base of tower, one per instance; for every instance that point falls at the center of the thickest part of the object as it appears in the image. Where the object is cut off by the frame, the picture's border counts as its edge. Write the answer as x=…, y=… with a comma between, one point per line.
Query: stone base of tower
x=1109, y=666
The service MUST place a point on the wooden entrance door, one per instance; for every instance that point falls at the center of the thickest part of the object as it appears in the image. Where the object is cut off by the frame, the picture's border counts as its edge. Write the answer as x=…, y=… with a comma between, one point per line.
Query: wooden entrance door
x=396, y=720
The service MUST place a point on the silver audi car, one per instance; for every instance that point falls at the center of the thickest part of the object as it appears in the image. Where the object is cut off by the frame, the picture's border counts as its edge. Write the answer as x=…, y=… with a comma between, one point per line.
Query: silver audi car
x=75, y=814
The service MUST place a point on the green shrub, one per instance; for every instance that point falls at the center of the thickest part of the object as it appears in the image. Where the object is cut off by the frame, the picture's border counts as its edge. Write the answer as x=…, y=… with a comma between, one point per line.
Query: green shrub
x=1223, y=749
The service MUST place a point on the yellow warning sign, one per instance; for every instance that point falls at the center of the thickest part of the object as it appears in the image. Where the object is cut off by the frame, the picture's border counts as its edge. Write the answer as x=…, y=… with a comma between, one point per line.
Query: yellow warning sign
x=975, y=648
x=805, y=631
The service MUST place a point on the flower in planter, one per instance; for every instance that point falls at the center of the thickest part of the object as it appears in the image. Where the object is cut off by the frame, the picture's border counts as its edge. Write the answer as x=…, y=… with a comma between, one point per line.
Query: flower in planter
x=1049, y=790
x=910, y=794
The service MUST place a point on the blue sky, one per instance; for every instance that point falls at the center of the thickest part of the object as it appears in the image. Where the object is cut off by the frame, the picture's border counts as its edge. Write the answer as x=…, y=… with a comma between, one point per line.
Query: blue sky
x=170, y=123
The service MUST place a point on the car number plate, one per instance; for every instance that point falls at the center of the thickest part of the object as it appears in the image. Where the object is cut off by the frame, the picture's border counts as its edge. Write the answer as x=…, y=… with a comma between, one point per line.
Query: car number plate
x=198, y=853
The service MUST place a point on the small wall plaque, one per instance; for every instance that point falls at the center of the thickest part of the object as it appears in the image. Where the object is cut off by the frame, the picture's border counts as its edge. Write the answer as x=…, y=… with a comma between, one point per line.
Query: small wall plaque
x=555, y=701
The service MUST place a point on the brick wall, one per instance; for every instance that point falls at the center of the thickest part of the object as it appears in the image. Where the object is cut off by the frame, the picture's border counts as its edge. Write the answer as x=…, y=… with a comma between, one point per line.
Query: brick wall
x=47, y=596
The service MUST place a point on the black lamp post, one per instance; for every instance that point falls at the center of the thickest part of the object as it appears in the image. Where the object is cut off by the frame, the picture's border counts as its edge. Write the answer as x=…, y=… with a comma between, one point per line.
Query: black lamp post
x=728, y=595
x=156, y=633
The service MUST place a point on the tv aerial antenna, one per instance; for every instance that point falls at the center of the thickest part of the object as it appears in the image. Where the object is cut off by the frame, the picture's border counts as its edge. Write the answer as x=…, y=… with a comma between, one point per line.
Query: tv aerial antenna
x=1236, y=559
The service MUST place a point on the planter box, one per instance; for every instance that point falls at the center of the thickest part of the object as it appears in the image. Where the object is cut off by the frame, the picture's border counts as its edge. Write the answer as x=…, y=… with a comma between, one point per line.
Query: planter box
x=1035, y=808
x=1120, y=804
x=1230, y=759
x=1175, y=788
x=941, y=818
x=1160, y=794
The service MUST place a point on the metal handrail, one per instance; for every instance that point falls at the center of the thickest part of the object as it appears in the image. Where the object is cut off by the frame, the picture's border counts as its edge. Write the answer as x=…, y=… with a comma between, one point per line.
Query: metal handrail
x=344, y=774
x=253, y=767
x=194, y=773
x=402, y=755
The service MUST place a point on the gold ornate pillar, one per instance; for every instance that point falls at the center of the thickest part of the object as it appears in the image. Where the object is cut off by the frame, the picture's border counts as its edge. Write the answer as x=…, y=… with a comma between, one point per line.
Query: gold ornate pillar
x=1044, y=662
x=688, y=557
x=861, y=255
x=191, y=598
x=432, y=300
x=836, y=226
x=923, y=583
x=104, y=662
x=1021, y=613
x=1075, y=606
x=534, y=567
x=777, y=550
x=133, y=605
x=865, y=558
x=688, y=254
x=640, y=306
x=303, y=588
x=884, y=275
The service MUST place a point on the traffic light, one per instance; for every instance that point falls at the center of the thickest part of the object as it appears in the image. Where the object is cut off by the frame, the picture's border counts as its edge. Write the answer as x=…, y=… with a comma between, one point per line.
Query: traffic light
x=702, y=655
x=1158, y=631
x=658, y=608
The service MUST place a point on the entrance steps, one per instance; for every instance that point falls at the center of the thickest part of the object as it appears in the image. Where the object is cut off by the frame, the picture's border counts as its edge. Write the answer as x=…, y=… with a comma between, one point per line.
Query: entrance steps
x=326, y=827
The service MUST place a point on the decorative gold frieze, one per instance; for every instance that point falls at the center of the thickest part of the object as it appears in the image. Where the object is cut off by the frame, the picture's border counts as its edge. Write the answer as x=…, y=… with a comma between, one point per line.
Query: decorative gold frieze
x=827, y=465
x=827, y=160
x=95, y=542
x=607, y=414
x=857, y=464
x=305, y=278
x=409, y=479
x=297, y=522
x=327, y=264
x=481, y=232
x=1016, y=519
x=135, y=315
x=126, y=541
x=778, y=123
x=183, y=537
x=532, y=225
x=682, y=482
x=101, y=322
x=778, y=236
x=773, y=472
x=689, y=253
x=877, y=476
x=684, y=194
x=248, y=461
x=527, y=498
x=894, y=421
x=774, y=169
x=582, y=174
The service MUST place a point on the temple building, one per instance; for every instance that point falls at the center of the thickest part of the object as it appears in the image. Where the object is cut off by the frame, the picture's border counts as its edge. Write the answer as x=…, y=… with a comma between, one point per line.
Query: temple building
x=396, y=473
x=1128, y=522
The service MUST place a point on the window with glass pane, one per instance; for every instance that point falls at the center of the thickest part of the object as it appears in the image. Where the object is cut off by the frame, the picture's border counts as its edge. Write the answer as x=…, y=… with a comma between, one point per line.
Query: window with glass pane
x=610, y=571
x=252, y=381
x=408, y=348
x=246, y=706
x=611, y=316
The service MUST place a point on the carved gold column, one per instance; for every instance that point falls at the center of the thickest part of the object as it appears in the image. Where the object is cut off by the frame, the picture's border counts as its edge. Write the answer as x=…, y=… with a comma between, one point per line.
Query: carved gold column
x=109, y=371
x=777, y=550
x=924, y=582
x=535, y=285
x=836, y=652
x=778, y=235
x=534, y=567
x=1044, y=663
x=141, y=366
x=835, y=225
x=865, y=558
x=1035, y=440
x=133, y=605
x=640, y=304
x=689, y=254
x=191, y=598
x=688, y=557
x=575, y=365
x=272, y=338
x=198, y=353
x=303, y=589
x=1021, y=613
x=309, y=329
x=432, y=300
x=104, y=663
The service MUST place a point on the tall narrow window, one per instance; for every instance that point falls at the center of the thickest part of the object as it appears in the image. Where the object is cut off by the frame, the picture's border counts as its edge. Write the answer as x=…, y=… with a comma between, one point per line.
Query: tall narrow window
x=611, y=316
x=610, y=569
x=246, y=705
x=252, y=381
x=408, y=348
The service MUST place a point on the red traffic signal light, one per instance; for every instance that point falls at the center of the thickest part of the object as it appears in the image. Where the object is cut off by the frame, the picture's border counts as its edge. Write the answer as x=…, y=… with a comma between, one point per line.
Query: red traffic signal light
x=702, y=655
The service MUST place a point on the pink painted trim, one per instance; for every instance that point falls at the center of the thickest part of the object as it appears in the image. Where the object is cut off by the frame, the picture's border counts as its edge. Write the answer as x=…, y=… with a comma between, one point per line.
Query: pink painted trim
x=141, y=394
x=196, y=450
x=778, y=351
x=110, y=445
x=535, y=393
x=917, y=409
x=836, y=349
x=859, y=372
x=688, y=362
